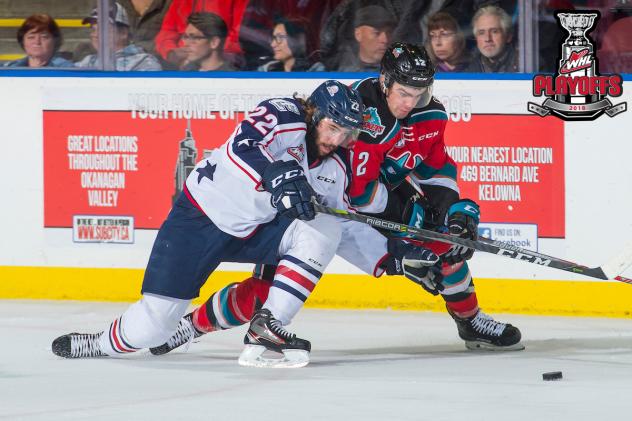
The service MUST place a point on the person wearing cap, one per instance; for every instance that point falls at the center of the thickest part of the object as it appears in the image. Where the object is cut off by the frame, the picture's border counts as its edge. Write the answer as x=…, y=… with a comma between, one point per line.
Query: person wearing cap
x=204, y=39
x=373, y=26
x=127, y=56
x=289, y=46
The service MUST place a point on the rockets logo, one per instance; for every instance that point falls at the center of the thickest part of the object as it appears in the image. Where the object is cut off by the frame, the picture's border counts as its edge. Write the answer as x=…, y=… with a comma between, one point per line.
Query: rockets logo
x=577, y=92
x=372, y=123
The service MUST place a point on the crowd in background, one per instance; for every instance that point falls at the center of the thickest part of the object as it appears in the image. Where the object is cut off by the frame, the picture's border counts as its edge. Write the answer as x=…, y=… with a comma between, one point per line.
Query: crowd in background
x=319, y=35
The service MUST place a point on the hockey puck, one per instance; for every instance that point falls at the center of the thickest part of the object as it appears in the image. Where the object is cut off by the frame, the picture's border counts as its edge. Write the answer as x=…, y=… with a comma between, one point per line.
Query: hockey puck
x=552, y=375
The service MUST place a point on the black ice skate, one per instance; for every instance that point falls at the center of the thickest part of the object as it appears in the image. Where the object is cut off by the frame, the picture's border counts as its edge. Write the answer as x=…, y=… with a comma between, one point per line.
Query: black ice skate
x=267, y=334
x=78, y=345
x=185, y=334
x=483, y=332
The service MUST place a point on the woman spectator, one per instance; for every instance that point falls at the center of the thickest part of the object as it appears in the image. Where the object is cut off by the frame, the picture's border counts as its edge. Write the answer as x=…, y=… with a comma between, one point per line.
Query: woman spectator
x=446, y=43
x=289, y=47
x=40, y=37
x=204, y=39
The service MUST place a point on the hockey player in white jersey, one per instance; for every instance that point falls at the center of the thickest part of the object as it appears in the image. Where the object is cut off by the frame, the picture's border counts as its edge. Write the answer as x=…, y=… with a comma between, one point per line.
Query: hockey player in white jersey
x=251, y=201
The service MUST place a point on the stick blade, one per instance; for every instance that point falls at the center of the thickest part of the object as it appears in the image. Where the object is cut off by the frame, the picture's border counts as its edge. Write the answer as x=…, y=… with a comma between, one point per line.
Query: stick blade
x=618, y=264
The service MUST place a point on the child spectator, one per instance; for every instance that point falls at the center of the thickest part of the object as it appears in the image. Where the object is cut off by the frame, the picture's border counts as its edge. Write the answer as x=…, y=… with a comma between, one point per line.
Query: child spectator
x=446, y=43
x=289, y=46
x=40, y=38
x=204, y=39
x=127, y=56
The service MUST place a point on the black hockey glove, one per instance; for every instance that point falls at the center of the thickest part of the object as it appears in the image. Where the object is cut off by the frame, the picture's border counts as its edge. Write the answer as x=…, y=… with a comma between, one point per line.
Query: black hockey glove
x=418, y=264
x=463, y=218
x=291, y=193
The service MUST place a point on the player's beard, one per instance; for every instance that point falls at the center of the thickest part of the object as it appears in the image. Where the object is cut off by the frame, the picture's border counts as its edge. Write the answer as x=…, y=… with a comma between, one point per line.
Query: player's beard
x=313, y=152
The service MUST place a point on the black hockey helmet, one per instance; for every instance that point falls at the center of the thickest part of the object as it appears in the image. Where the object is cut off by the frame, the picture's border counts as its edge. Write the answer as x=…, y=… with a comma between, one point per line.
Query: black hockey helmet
x=409, y=65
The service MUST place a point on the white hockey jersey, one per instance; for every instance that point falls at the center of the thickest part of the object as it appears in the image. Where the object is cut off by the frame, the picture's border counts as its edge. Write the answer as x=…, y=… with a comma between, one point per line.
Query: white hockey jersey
x=227, y=184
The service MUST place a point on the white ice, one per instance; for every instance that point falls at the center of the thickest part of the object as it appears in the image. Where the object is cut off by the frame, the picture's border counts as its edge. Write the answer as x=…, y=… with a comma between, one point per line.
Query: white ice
x=366, y=365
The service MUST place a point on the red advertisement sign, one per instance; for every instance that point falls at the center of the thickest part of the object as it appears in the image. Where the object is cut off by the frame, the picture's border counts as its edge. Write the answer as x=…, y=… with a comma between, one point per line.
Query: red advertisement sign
x=513, y=166
x=110, y=163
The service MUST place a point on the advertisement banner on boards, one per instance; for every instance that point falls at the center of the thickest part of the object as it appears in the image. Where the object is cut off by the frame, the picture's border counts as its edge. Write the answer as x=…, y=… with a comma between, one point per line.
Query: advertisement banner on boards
x=127, y=160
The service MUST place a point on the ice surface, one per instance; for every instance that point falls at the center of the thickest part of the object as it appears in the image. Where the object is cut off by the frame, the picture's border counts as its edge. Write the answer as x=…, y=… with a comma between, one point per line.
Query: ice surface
x=366, y=365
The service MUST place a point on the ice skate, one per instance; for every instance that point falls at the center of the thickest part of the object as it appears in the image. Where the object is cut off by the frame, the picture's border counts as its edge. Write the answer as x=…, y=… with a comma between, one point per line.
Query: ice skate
x=267, y=334
x=78, y=345
x=482, y=332
x=185, y=334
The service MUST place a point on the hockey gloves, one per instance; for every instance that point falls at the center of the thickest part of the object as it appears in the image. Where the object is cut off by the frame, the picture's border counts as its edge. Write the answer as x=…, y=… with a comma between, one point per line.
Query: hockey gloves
x=418, y=264
x=291, y=193
x=463, y=217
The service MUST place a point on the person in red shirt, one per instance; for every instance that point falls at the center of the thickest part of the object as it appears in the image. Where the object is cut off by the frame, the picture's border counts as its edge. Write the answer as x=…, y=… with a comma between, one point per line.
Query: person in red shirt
x=169, y=43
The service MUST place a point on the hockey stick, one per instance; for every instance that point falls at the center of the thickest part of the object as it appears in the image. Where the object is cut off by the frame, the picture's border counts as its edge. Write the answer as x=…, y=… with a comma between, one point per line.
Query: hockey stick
x=610, y=270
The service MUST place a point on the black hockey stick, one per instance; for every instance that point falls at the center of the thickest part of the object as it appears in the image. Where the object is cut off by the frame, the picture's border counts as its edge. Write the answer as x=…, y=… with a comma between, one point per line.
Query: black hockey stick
x=610, y=270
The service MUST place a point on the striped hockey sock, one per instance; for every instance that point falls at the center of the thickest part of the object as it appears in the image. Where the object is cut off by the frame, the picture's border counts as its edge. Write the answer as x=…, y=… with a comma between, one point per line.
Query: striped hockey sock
x=294, y=281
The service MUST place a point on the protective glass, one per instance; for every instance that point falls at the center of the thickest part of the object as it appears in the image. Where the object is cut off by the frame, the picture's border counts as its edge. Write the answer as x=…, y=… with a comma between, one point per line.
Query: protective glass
x=425, y=97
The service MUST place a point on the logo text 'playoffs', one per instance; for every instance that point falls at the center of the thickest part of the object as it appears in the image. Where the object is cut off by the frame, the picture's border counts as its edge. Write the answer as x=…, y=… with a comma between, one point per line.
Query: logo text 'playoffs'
x=577, y=92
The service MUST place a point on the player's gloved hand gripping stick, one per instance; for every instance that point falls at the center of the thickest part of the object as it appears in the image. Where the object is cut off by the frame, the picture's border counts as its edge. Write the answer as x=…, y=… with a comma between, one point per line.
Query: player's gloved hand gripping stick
x=611, y=270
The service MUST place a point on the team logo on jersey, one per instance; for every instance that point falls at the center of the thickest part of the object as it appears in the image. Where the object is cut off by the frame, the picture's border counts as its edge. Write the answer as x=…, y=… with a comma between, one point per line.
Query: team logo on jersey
x=298, y=152
x=577, y=92
x=397, y=51
x=372, y=124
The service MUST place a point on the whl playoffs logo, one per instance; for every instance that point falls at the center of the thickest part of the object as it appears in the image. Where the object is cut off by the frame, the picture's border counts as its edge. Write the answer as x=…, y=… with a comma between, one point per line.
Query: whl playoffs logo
x=577, y=92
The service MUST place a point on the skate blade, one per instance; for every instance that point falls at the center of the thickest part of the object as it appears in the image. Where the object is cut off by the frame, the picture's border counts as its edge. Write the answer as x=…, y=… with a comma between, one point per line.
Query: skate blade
x=252, y=356
x=484, y=346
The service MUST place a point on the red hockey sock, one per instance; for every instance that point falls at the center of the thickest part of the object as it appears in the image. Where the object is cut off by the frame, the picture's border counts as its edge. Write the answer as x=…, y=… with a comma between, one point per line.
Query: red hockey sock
x=467, y=307
x=232, y=305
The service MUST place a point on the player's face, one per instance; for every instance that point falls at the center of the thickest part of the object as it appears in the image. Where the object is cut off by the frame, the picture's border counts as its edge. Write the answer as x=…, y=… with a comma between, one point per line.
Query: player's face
x=401, y=99
x=39, y=44
x=330, y=136
x=443, y=43
x=491, y=40
x=279, y=44
x=196, y=45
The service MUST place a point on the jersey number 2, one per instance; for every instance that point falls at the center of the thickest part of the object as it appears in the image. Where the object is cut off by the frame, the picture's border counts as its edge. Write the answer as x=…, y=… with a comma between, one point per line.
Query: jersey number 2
x=363, y=157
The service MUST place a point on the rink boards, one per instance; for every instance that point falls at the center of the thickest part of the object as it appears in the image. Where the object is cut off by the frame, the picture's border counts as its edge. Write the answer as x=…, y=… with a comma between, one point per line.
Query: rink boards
x=90, y=166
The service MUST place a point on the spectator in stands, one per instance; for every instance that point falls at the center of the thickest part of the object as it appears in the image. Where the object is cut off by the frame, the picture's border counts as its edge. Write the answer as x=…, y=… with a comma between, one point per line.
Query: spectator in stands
x=372, y=35
x=446, y=43
x=169, y=42
x=204, y=39
x=40, y=38
x=127, y=56
x=493, y=32
x=289, y=46
x=145, y=20
x=259, y=21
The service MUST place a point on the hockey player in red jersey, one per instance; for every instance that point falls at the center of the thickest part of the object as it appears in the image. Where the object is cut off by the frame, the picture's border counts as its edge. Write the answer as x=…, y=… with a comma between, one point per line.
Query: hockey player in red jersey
x=402, y=172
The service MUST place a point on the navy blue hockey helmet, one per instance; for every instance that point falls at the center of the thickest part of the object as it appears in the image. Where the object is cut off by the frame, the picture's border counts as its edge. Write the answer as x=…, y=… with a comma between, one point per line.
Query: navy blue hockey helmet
x=337, y=102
